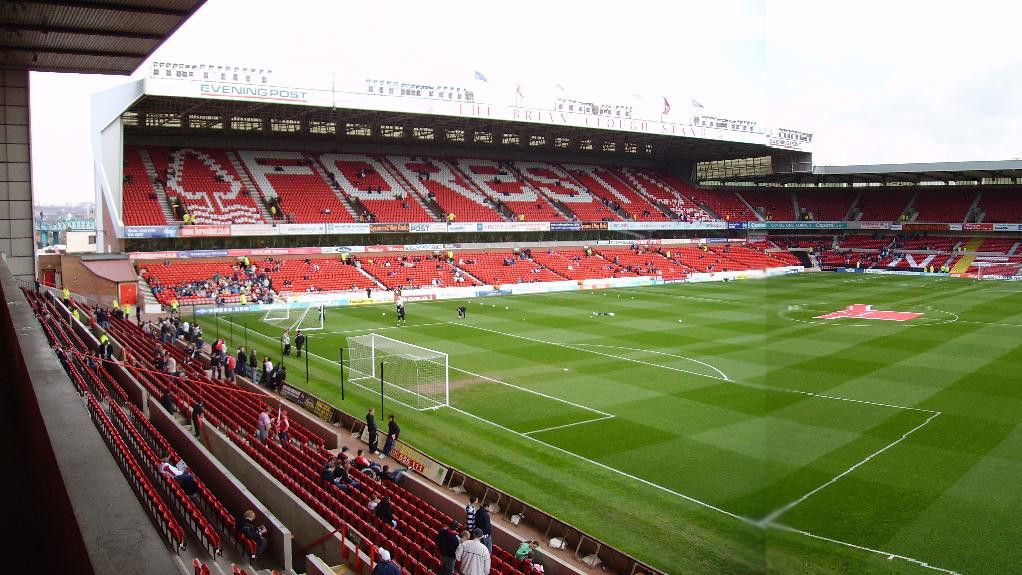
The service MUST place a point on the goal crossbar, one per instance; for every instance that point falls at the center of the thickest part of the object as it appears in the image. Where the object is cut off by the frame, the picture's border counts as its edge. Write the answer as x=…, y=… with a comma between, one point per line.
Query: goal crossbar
x=415, y=376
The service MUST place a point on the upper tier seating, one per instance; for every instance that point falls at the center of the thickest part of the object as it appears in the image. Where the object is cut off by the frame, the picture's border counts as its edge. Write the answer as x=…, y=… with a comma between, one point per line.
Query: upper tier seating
x=415, y=271
x=883, y=205
x=776, y=204
x=1002, y=205
x=371, y=181
x=141, y=205
x=672, y=199
x=207, y=185
x=293, y=178
x=826, y=204
x=944, y=204
x=724, y=202
x=610, y=188
x=495, y=268
x=499, y=182
x=556, y=184
x=449, y=189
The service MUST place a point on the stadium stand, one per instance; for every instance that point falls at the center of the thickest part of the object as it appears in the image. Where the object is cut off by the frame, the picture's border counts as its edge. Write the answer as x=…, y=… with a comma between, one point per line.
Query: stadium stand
x=828, y=204
x=612, y=190
x=1006, y=246
x=773, y=204
x=1001, y=205
x=294, y=181
x=671, y=199
x=724, y=203
x=562, y=189
x=945, y=204
x=505, y=267
x=141, y=204
x=498, y=181
x=456, y=198
x=206, y=184
x=883, y=205
x=414, y=271
x=375, y=186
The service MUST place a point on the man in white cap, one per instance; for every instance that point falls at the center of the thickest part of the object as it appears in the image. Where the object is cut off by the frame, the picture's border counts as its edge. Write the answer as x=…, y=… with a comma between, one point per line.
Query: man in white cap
x=474, y=556
x=385, y=566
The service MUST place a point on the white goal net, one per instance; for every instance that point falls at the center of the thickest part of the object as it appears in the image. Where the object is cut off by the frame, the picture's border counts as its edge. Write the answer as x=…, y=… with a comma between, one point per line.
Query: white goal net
x=279, y=316
x=310, y=319
x=414, y=376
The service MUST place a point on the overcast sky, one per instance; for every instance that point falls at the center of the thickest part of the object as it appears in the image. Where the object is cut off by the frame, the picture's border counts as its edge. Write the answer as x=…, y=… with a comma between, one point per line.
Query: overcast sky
x=876, y=81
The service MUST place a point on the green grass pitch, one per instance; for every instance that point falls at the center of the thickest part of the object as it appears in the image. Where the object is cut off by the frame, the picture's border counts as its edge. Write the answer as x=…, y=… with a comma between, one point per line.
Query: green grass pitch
x=722, y=428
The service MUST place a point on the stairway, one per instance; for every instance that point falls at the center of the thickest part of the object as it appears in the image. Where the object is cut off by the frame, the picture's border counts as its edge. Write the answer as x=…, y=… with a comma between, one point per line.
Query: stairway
x=321, y=172
x=748, y=205
x=161, y=193
x=246, y=180
x=410, y=190
x=963, y=264
x=470, y=183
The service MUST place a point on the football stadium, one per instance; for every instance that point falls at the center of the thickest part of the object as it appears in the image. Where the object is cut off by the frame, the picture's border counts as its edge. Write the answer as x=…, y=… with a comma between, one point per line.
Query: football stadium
x=393, y=327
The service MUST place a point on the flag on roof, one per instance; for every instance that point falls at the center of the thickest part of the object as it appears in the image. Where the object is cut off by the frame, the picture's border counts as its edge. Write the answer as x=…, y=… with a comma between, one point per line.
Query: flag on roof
x=518, y=91
x=667, y=107
x=479, y=76
x=696, y=104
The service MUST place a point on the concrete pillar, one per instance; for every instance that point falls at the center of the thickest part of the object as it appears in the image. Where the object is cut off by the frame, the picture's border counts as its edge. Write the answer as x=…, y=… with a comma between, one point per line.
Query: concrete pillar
x=16, y=240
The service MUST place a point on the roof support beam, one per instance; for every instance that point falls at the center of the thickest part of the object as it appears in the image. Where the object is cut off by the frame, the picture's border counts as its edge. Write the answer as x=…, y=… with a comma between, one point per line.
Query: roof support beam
x=130, y=8
x=79, y=31
x=74, y=52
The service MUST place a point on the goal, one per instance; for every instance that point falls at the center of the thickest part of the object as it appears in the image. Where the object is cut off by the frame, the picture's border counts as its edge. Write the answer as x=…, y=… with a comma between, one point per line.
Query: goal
x=414, y=376
x=278, y=315
x=311, y=319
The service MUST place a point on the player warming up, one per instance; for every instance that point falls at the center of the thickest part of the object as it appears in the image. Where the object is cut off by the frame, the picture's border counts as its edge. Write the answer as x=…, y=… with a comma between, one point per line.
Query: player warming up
x=400, y=311
x=462, y=312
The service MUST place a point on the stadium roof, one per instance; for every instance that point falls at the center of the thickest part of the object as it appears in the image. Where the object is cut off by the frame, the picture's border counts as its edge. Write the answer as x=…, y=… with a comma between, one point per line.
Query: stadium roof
x=887, y=173
x=176, y=111
x=97, y=36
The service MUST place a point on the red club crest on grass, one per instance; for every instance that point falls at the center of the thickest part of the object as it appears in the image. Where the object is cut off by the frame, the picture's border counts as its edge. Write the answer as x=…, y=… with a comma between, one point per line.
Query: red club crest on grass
x=866, y=311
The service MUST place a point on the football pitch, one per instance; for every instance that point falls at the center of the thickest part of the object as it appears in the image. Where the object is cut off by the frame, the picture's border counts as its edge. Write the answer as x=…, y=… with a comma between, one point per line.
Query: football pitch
x=728, y=428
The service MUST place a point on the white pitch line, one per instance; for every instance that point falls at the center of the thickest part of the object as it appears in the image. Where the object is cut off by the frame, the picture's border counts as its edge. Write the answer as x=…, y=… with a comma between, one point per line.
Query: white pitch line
x=568, y=425
x=775, y=514
x=539, y=393
x=709, y=376
x=887, y=554
x=603, y=414
x=703, y=363
x=743, y=519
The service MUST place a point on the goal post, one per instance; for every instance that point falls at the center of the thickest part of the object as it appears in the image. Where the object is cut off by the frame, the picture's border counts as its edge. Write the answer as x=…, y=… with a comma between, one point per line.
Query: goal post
x=414, y=376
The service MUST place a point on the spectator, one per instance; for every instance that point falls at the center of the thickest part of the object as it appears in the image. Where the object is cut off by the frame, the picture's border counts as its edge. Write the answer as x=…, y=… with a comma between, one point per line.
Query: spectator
x=393, y=432
x=253, y=361
x=257, y=533
x=188, y=484
x=263, y=424
x=167, y=401
x=241, y=362
x=168, y=469
x=197, y=411
x=283, y=425
x=371, y=424
x=483, y=524
x=385, y=511
x=385, y=566
x=299, y=342
x=470, y=512
x=526, y=549
x=447, y=544
x=474, y=556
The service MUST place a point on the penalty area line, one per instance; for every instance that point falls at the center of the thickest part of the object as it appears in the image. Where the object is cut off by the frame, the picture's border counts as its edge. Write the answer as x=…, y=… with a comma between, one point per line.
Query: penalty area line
x=568, y=425
x=775, y=514
x=889, y=555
